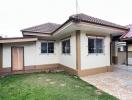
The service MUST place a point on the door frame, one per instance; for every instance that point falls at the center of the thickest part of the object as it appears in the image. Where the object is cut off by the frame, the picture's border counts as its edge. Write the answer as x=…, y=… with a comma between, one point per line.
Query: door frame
x=12, y=58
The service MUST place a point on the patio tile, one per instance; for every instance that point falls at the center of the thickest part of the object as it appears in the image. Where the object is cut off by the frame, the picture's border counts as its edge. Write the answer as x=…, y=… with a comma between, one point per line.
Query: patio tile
x=117, y=83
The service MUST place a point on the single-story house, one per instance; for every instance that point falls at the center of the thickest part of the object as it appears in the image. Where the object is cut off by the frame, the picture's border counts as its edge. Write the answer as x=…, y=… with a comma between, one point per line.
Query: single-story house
x=83, y=45
x=127, y=38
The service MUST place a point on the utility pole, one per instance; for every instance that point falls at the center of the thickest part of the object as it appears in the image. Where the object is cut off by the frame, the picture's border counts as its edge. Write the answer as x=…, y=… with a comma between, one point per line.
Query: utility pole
x=77, y=7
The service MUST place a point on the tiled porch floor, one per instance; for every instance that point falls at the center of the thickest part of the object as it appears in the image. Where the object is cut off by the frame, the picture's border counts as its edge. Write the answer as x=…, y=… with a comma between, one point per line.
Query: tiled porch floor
x=117, y=83
x=124, y=67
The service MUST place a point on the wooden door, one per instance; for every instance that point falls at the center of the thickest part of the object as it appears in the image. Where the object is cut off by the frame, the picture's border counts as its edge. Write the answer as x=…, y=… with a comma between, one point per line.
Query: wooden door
x=17, y=58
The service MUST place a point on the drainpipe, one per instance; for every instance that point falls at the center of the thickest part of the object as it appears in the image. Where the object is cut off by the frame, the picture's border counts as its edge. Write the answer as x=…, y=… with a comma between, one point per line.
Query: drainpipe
x=110, y=49
x=126, y=53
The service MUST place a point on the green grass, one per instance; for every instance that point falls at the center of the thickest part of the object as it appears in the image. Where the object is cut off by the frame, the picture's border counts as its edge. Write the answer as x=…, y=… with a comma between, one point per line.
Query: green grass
x=48, y=86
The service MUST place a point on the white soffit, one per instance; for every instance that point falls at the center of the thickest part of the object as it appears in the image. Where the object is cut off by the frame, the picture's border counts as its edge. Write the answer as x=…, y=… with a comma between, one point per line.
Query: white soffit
x=99, y=28
x=11, y=40
x=36, y=34
x=88, y=27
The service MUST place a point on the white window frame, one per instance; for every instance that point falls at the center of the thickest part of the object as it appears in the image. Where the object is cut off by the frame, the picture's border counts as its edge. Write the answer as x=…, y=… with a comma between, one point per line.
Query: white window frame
x=47, y=46
x=96, y=37
x=62, y=46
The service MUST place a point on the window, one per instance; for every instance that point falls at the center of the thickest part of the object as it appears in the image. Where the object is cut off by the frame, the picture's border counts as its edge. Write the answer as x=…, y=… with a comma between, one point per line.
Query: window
x=47, y=47
x=50, y=47
x=91, y=45
x=66, y=46
x=99, y=45
x=95, y=45
x=44, y=47
x=121, y=48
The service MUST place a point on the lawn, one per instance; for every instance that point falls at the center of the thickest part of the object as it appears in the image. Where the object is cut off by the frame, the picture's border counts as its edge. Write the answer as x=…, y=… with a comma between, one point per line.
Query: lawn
x=48, y=86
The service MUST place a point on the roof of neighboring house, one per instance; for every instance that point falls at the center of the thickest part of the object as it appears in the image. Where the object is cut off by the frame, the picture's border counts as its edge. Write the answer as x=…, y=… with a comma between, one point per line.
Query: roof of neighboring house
x=52, y=27
x=43, y=28
x=127, y=35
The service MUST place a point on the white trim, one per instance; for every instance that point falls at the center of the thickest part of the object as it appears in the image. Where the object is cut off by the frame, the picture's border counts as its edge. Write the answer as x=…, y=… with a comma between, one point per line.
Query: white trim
x=18, y=40
x=63, y=28
x=47, y=47
x=66, y=39
x=36, y=34
x=96, y=37
x=62, y=46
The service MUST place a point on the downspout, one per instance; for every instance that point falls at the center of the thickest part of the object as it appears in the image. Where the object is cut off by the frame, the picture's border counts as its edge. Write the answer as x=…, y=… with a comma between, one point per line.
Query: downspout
x=110, y=49
x=126, y=53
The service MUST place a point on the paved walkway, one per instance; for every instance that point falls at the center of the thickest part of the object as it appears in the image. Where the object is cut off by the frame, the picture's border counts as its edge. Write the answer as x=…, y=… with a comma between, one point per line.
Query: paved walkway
x=117, y=83
x=124, y=67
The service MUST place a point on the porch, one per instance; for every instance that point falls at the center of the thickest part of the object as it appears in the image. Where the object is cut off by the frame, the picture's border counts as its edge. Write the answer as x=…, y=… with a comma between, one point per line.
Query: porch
x=123, y=67
x=117, y=83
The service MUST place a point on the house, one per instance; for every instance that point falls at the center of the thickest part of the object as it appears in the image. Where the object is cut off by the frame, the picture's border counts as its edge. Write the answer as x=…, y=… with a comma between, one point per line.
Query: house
x=83, y=45
x=127, y=37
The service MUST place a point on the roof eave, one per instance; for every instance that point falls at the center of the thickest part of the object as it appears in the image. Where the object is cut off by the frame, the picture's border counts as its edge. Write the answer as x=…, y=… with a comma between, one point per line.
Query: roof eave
x=34, y=32
x=61, y=26
x=17, y=40
x=127, y=29
x=75, y=20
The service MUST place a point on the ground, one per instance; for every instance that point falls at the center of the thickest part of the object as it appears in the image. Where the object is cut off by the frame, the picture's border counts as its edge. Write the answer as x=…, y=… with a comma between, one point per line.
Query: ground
x=48, y=86
x=117, y=83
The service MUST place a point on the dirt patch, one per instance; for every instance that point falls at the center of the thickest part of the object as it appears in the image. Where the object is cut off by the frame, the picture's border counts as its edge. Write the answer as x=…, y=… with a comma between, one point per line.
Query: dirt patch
x=52, y=82
x=98, y=92
x=62, y=84
x=47, y=80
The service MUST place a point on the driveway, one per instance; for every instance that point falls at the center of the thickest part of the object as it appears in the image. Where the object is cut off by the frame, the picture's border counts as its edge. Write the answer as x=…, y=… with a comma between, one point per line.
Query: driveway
x=117, y=83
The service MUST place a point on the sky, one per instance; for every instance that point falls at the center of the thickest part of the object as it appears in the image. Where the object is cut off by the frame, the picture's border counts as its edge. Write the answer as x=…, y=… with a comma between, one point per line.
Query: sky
x=19, y=14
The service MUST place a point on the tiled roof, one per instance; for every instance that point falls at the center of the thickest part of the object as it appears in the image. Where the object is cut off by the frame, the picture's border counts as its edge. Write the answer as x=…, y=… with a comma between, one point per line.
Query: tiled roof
x=90, y=19
x=43, y=28
x=128, y=34
x=52, y=27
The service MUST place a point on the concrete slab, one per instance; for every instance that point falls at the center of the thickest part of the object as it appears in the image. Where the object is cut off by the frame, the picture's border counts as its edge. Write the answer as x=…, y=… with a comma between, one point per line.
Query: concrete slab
x=117, y=83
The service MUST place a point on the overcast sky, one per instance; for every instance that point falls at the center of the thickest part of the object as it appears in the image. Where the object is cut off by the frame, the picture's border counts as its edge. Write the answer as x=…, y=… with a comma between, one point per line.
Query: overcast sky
x=18, y=14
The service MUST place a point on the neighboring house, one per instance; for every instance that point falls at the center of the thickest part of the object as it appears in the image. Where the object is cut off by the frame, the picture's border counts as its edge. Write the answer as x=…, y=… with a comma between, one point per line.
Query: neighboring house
x=82, y=45
x=127, y=37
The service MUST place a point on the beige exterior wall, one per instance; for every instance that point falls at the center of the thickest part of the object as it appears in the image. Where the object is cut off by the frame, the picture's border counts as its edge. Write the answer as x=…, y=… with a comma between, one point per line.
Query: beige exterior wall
x=45, y=58
x=6, y=56
x=29, y=53
x=68, y=60
x=89, y=61
x=130, y=47
x=33, y=56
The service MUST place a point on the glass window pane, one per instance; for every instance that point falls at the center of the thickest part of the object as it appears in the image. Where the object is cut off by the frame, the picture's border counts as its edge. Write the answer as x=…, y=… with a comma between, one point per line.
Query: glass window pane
x=99, y=45
x=66, y=46
x=43, y=47
x=50, y=47
x=63, y=46
x=91, y=46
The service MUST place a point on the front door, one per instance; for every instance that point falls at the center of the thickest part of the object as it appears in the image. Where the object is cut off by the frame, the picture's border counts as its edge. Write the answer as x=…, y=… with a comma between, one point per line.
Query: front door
x=17, y=58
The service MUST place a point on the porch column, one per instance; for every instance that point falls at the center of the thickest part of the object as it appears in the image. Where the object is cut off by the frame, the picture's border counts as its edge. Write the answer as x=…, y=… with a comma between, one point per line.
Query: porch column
x=126, y=53
x=78, y=54
x=115, y=53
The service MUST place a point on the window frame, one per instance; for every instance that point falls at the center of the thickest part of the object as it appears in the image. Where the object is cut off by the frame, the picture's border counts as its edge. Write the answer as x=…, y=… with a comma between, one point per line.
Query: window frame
x=95, y=44
x=91, y=37
x=47, y=42
x=68, y=53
